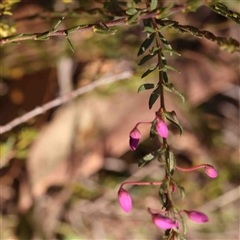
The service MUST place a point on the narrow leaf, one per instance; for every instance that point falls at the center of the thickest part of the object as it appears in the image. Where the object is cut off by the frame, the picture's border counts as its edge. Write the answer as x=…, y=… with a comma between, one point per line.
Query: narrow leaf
x=153, y=97
x=147, y=58
x=171, y=52
x=149, y=71
x=146, y=86
x=184, y=226
x=153, y=4
x=172, y=162
x=153, y=131
x=70, y=44
x=170, y=88
x=147, y=158
x=164, y=41
x=172, y=117
x=131, y=11
x=171, y=68
x=148, y=41
x=149, y=29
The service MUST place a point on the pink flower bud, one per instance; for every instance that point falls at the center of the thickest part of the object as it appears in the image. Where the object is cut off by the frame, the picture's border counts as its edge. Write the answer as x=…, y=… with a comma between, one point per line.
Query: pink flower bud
x=197, y=216
x=210, y=171
x=163, y=222
x=135, y=136
x=161, y=128
x=124, y=200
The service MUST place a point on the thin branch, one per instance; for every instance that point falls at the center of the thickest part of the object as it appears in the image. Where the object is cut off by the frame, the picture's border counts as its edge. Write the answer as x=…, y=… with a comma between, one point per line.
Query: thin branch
x=99, y=27
x=63, y=99
x=231, y=44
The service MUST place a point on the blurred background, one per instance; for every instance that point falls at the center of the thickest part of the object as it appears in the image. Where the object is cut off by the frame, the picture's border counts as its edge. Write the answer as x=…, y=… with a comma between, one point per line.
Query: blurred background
x=61, y=170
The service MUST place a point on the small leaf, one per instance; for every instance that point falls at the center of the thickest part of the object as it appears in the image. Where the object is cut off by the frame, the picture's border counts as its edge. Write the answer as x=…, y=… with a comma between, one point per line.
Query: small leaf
x=153, y=4
x=147, y=158
x=146, y=86
x=171, y=51
x=149, y=71
x=147, y=58
x=131, y=11
x=170, y=88
x=165, y=76
x=148, y=41
x=172, y=162
x=133, y=18
x=70, y=44
x=172, y=117
x=162, y=192
x=153, y=97
x=165, y=27
x=149, y=29
x=153, y=131
x=164, y=41
x=171, y=68
x=103, y=29
x=184, y=226
x=181, y=189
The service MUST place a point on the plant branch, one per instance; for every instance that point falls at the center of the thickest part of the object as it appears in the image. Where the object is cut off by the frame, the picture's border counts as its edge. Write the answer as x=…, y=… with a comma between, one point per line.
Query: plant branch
x=80, y=28
x=231, y=44
x=63, y=99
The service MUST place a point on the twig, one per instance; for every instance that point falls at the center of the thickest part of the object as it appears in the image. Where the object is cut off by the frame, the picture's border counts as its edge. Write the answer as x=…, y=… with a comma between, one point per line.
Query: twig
x=230, y=44
x=63, y=99
x=80, y=28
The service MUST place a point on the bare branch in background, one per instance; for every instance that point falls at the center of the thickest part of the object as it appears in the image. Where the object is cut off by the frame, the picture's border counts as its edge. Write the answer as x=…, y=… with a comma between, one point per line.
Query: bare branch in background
x=63, y=99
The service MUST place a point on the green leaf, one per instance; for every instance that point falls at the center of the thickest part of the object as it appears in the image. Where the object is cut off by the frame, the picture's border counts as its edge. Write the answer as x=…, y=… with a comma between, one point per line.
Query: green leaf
x=149, y=71
x=172, y=117
x=145, y=45
x=164, y=41
x=132, y=19
x=184, y=226
x=131, y=11
x=146, y=86
x=165, y=27
x=70, y=44
x=147, y=158
x=170, y=88
x=172, y=162
x=147, y=58
x=103, y=29
x=153, y=97
x=165, y=76
x=149, y=29
x=153, y=4
x=171, y=52
x=153, y=131
x=171, y=68
x=162, y=192
x=181, y=189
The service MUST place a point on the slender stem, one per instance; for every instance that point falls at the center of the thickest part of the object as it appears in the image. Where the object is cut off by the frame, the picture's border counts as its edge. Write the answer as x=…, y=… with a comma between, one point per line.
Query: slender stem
x=79, y=28
x=191, y=169
x=160, y=65
x=142, y=123
x=140, y=183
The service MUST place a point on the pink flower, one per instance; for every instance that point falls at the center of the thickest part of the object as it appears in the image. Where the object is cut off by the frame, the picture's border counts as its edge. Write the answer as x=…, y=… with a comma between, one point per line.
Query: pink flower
x=161, y=128
x=135, y=136
x=163, y=222
x=125, y=200
x=210, y=171
x=197, y=216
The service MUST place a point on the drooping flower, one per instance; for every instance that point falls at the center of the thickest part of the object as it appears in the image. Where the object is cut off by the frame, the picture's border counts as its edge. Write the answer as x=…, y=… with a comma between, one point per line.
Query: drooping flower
x=124, y=200
x=210, y=171
x=135, y=136
x=161, y=128
x=163, y=222
x=197, y=216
